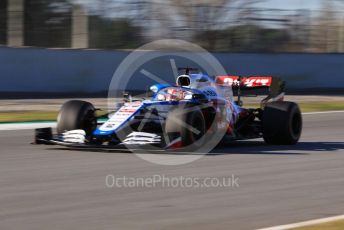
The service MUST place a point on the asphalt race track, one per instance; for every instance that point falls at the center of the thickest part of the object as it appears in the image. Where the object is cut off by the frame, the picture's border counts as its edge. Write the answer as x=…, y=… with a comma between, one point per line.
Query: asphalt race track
x=43, y=187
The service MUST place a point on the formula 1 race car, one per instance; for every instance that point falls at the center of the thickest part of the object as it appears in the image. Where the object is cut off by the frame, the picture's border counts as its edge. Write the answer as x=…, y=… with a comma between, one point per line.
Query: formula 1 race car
x=195, y=109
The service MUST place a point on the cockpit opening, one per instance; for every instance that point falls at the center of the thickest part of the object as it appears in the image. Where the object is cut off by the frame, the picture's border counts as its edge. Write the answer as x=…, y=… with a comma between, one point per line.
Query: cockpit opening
x=183, y=80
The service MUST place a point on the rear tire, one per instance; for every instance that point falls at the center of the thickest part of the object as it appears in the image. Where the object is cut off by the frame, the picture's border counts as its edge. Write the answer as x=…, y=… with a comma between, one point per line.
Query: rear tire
x=282, y=123
x=76, y=114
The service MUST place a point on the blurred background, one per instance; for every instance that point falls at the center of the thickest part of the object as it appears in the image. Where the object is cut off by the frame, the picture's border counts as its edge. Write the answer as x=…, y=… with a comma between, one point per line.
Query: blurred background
x=313, y=26
x=53, y=49
x=71, y=48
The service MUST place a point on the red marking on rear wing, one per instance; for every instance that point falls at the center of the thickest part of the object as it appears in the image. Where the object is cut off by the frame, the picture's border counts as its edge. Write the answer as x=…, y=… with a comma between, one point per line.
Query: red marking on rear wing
x=249, y=82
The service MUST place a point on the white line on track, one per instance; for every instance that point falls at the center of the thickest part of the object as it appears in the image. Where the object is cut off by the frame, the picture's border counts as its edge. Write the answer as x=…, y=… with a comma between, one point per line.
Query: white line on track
x=22, y=126
x=324, y=112
x=35, y=125
x=305, y=223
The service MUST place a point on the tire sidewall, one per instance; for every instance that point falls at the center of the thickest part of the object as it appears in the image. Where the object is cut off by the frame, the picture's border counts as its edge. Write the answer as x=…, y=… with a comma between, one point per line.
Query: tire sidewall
x=278, y=123
x=76, y=114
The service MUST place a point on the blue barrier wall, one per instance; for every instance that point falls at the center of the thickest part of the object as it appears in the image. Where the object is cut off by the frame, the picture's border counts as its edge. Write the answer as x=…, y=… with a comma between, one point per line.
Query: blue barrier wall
x=89, y=71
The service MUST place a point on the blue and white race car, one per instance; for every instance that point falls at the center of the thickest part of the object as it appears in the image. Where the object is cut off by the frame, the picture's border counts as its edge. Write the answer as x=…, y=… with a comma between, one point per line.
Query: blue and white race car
x=189, y=113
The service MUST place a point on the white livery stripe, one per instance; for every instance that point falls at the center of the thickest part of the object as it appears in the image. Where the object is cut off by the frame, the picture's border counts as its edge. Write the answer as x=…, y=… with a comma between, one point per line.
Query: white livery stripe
x=126, y=112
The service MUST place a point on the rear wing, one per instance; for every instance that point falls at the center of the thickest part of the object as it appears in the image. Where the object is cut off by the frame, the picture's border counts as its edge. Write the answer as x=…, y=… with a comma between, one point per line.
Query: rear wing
x=275, y=85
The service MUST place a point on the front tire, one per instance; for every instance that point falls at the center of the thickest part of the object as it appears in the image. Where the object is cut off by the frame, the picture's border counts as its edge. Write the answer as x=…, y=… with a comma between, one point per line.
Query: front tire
x=190, y=126
x=76, y=114
x=282, y=123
